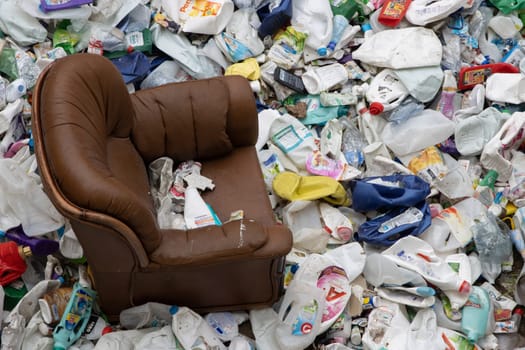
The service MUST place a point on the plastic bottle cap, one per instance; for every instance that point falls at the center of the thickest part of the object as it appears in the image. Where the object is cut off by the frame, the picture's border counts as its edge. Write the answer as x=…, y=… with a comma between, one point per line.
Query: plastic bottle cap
x=106, y=330
x=520, y=311
x=174, y=309
x=331, y=45
x=464, y=287
x=345, y=233
x=322, y=51
x=376, y=108
x=366, y=27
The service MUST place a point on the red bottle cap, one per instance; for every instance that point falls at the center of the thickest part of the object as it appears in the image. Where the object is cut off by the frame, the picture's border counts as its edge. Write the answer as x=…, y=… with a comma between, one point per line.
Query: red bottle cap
x=464, y=287
x=345, y=233
x=519, y=310
x=376, y=108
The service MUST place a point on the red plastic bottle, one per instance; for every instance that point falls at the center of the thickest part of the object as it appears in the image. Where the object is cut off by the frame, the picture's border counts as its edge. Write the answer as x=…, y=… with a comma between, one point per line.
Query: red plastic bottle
x=471, y=76
x=393, y=12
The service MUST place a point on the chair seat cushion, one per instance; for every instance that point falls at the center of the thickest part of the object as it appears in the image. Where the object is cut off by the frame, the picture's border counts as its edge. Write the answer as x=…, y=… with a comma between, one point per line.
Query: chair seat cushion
x=233, y=240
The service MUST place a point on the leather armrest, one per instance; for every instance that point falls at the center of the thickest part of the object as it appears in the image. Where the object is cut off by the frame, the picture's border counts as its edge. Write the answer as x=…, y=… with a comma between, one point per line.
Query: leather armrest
x=209, y=244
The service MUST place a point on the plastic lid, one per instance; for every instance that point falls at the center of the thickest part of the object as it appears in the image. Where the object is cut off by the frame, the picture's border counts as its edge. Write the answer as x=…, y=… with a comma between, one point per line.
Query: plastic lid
x=106, y=330
x=174, y=309
x=464, y=287
x=322, y=51
x=345, y=233
x=376, y=108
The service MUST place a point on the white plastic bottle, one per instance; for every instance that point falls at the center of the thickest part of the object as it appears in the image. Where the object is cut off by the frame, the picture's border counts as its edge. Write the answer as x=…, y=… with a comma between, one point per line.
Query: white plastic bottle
x=417, y=255
x=192, y=331
x=300, y=315
x=146, y=315
x=337, y=223
x=314, y=17
x=385, y=92
x=461, y=264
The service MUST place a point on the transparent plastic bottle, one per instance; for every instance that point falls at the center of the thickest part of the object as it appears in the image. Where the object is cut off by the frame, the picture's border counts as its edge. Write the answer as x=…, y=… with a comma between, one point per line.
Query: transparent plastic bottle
x=340, y=23
x=492, y=239
x=352, y=144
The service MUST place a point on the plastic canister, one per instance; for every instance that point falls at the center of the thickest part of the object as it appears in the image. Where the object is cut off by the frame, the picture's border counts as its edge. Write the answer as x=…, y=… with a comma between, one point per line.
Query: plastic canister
x=300, y=315
x=417, y=255
x=53, y=304
x=385, y=92
x=470, y=76
x=476, y=314
x=314, y=17
x=192, y=331
x=461, y=264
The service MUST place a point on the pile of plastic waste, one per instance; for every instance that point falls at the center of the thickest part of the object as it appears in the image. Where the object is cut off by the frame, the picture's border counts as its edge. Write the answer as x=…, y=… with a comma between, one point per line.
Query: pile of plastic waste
x=391, y=138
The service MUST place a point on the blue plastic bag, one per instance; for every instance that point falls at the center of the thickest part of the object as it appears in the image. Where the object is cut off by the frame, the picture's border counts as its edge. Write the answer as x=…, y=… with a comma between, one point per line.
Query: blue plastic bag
x=387, y=192
x=395, y=224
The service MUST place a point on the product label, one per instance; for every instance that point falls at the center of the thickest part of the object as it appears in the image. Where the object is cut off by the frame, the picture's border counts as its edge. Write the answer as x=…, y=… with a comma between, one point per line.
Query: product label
x=306, y=318
x=289, y=138
x=135, y=39
x=236, y=50
x=409, y=216
x=429, y=165
x=475, y=76
x=335, y=283
x=394, y=9
x=200, y=8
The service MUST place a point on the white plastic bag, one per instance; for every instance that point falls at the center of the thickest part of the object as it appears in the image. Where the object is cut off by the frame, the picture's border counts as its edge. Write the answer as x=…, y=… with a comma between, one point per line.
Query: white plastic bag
x=401, y=48
x=24, y=202
x=19, y=25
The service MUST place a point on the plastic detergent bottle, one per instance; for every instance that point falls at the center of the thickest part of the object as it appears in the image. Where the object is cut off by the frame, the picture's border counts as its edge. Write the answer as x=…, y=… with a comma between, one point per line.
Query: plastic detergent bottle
x=386, y=92
x=446, y=103
x=470, y=76
x=460, y=263
x=393, y=12
x=300, y=315
x=192, y=331
x=476, y=313
x=314, y=17
x=417, y=255
x=75, y=317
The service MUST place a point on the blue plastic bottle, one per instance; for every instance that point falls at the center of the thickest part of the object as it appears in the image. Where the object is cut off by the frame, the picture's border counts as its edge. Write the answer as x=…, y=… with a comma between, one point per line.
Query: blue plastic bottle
x=476, y=313
x=75, y=317
x=340, y=24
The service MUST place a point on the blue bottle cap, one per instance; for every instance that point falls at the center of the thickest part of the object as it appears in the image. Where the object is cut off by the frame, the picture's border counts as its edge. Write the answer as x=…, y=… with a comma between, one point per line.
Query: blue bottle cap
x=366, y=27
x=174, y=309
x=331, y=45
x=322, y=51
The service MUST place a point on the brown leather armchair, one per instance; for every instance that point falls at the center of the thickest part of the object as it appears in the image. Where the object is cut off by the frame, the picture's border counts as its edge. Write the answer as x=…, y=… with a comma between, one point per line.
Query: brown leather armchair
x=93, y=142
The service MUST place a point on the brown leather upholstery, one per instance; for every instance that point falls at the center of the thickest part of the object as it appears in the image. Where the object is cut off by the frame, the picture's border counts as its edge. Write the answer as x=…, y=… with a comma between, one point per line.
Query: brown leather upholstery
x=94, y=141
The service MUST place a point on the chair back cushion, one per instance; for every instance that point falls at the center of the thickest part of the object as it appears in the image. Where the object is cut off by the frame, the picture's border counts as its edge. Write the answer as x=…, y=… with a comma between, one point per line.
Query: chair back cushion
x=86, y=117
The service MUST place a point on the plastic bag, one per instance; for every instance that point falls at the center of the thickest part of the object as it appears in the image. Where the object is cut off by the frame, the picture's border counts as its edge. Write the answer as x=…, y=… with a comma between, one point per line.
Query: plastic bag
x=401, y=48
x=418, y=132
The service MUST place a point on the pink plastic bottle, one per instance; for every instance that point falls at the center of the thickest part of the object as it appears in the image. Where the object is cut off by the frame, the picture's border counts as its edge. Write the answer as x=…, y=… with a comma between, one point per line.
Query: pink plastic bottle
x=446, y=103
